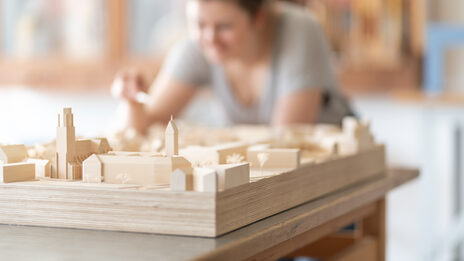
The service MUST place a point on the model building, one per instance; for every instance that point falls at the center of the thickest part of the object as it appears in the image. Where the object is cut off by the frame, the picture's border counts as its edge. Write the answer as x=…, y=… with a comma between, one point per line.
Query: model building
x=70, y=153
x=200, y=168
x=189, y=183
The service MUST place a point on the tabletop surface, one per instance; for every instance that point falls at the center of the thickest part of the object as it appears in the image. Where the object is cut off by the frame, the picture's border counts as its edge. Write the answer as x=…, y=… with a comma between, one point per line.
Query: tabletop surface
x=37, y=243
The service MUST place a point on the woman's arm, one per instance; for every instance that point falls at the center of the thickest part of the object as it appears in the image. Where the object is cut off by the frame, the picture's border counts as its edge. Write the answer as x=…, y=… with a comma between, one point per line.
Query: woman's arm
x=166, y=97
x=298, y=107
x=184, y=69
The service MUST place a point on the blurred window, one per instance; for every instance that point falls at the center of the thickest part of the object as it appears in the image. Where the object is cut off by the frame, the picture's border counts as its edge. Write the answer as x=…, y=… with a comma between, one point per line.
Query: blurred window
x=59, y=28
x=154, y=25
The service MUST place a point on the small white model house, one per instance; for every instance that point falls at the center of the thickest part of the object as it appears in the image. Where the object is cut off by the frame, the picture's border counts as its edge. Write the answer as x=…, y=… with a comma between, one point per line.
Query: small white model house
x=132, y=169
x=15, y=166
x=356, y=136
x=219, y=154
x=138, y=168
x=12, y=153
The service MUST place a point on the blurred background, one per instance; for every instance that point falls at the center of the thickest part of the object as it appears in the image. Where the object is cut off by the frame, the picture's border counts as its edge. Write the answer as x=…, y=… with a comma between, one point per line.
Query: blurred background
x=399, y=61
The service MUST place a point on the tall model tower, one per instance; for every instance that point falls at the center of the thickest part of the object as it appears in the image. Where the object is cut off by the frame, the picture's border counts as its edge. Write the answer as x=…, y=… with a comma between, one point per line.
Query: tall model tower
x=171, y=137
x=65, y=144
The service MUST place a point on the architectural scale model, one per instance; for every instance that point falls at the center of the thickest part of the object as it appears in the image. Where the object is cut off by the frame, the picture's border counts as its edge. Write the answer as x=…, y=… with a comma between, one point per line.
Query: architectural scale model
x=16, y=166
x=92, y=161
x=188, y=185
x=70, y=153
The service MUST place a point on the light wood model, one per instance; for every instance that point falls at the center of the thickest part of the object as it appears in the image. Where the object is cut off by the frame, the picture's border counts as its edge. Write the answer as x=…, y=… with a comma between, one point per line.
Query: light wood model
x=133, y=169
x=12, y=153
x=219, y=154
x=205, y=180
x=232, y=175
x=139, y=168
x=43, y=167
x=305, y=230
x=14, y=172
x=70, y=153
x=124, y=207
x=172, y=139
x=181, y=181
x=276, y=158
x=165, y=193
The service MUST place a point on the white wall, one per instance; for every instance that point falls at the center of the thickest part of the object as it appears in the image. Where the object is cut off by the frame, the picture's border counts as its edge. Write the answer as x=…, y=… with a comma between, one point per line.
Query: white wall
x=420, y=216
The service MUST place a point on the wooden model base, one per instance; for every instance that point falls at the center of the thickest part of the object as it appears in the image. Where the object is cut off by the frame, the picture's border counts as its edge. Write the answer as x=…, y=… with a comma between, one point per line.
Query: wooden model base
x=157, y=209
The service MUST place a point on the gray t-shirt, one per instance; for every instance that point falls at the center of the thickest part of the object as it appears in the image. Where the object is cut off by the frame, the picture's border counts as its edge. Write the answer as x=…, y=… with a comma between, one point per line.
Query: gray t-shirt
x=300, y=61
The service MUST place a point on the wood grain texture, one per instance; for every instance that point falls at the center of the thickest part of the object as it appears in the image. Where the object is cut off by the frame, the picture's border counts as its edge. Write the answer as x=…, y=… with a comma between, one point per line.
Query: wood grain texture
x=270, y=196
x=274, y=236
x=107, y=209
x=307, y=223
x=139, y=209
x=366, y=249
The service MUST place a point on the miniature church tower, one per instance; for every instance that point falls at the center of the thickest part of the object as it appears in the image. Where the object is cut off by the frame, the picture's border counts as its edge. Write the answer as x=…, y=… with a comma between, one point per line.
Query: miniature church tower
x=65, y=144
x=171, y=139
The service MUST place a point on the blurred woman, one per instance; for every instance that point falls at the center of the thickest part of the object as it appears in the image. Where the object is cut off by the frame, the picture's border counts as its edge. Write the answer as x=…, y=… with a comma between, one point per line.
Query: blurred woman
x=267, y=61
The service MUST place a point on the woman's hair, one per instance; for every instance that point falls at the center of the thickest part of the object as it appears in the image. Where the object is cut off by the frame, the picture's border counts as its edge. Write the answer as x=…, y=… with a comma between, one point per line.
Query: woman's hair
x=250, y=6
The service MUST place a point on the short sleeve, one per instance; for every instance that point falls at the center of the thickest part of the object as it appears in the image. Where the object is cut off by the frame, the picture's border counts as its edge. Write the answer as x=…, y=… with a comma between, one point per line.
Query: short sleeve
x=185, y=63
x=304, y=57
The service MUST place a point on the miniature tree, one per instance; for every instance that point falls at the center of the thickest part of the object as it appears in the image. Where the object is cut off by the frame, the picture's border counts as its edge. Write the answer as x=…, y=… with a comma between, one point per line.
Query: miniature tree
x=235, y=158
x=262, y=157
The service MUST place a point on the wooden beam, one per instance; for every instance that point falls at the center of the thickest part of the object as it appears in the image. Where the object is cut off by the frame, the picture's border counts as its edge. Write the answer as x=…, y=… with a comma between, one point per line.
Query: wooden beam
x=117, y=29
x=375, y=226
x=295, y=246
x=365, y=249
x=1, y=29
x=417, y=22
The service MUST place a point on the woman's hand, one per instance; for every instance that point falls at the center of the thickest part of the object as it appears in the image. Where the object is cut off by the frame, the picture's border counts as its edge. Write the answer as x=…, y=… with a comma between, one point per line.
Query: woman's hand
x=131, y=86
x=167, y=97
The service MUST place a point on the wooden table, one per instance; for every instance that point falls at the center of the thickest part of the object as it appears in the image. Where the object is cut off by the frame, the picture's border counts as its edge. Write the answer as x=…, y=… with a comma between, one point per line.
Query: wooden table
x=306, y=228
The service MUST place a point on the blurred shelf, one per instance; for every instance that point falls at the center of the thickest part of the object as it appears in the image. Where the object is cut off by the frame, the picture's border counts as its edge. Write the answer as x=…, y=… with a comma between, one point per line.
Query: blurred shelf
x=57, y=73
x=379, y=44
x=419, y=97
x=50, y=43
x=380, y=79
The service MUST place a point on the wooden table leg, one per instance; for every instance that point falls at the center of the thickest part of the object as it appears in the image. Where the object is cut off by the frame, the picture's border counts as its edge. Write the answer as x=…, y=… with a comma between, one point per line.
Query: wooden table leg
x=374, y=225
x=369, y=244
